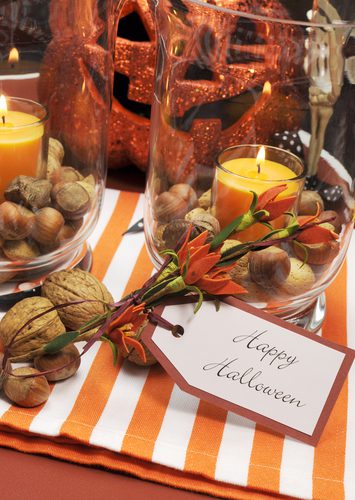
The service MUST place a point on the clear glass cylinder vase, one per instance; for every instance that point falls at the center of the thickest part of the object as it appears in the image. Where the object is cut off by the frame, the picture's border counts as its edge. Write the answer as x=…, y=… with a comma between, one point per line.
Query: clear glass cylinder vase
x=55, y=86
x=233, y=74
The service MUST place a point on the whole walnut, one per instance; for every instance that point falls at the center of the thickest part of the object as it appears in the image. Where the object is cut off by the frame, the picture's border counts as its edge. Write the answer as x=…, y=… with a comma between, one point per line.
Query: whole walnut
x=72, y=285
x=35, y=335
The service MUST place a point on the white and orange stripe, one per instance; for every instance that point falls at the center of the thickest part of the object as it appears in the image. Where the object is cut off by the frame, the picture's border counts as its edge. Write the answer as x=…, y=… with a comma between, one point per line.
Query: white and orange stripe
x=137, y=420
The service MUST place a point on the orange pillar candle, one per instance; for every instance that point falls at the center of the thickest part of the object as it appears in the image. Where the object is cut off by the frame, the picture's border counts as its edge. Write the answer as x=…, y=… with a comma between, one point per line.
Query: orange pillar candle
x=237, y=176
x=21, y=141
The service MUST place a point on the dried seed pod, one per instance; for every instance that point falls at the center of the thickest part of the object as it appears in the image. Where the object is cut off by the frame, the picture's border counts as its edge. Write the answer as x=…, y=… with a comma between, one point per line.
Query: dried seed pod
x=190, y=215
x=47, y=225
x=317, y=254
x=15, y=221
x=75, y=284
x=308, y=203
x=65, y=174
x=27, y=392
x=8, y=369
x=55, y=156
x=21, y=250
x=186, y=192
x=207, y=222
x=69, y=354
x=300, y=280
x=204, y=200
x=269, y=267
x=36, y=334
x=175, y=230
x=32, y=192
x=169, y=207
x=71, y=199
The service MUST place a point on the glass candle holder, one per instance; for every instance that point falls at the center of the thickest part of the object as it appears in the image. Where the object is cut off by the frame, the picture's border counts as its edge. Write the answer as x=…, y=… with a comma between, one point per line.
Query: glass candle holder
x=56, y=82
x=269, y=73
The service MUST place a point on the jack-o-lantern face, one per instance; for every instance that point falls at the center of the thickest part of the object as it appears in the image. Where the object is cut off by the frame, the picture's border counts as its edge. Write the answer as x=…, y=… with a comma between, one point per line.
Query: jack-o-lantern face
x=133, y=85
x=215, y=81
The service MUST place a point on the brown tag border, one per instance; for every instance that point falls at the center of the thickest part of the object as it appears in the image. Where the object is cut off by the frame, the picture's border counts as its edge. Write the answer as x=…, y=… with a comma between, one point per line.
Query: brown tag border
x=252, y=415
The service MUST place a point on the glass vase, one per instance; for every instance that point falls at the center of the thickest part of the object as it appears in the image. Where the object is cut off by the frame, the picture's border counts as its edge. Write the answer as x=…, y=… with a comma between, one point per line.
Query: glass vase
x=55, y=86
x=235, y=75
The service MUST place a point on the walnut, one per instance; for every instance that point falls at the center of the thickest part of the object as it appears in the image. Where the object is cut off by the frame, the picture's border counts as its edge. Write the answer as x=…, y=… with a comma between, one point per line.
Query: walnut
x=66, y=286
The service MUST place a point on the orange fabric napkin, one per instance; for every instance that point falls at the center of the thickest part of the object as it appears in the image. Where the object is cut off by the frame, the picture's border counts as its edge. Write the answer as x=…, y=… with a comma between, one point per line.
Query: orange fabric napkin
x=137, y=420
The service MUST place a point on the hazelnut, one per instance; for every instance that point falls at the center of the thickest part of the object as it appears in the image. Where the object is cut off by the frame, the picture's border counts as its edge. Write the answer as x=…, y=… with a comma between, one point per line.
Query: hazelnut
x=21, y=250
x=300, y=280
x=67, y=232
x=175, y=230
x=317, y=254
x=168, y=207
x=269, y=267
x=68, y=354
x=27, y=392
x=32, y=192
x=186, y=192
x=71, y=199
x=15, y=221
x=47, y=225
x=55, y=156
x=308, y=203
x=65, y=174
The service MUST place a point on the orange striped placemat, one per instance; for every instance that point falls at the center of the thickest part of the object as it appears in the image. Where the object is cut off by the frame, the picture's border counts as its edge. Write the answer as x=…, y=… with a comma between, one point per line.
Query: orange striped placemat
x=137, y=420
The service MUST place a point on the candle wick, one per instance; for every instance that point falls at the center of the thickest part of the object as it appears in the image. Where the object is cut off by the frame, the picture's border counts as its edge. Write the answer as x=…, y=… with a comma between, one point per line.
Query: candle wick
x=258, y=164
x=3, y=119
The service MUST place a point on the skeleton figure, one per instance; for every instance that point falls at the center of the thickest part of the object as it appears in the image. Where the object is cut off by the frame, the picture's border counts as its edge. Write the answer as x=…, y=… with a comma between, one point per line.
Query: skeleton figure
x=325, y=66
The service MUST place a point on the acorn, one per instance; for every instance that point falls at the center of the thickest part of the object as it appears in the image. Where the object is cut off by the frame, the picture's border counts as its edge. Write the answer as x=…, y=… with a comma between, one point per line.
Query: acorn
x=27, y=392
x=269, y=267
x=309, y=202
x=16, y=221
x=58, y=361
x=48, y=223
x=186, y=192
x=168, y=206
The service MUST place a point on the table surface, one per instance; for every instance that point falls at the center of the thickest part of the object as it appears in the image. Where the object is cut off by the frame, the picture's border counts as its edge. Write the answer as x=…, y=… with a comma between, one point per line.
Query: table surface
x=26, y=476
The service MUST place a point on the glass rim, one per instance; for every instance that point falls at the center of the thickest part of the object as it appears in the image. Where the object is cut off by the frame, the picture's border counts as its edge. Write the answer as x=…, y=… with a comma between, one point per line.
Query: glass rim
x=220, y=166
x=40, y=121
x=337, y=24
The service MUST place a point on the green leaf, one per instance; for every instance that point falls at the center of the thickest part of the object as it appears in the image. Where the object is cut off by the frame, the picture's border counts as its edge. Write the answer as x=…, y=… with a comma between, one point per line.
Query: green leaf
x=227, y=231
x=305, y=250
x=61, y=341
x=113, y=348
x=156, y=288
x=172, y=254
x=195, y=289
x=254, y=201
x=186, y=265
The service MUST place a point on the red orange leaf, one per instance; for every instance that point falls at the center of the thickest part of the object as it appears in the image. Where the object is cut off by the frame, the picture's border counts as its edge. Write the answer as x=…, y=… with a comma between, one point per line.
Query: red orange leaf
x=268, y=196
x=316, y=234
x=278, y=207
x=222, y=286
x=138, y=347
x=201, y=267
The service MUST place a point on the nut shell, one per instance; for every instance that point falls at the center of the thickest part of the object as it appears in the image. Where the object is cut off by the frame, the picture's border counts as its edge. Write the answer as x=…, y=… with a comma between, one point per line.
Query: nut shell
x=318, y=254
x=175, y=230
x=308, y=203
x=204, y=200
x=32, y=192
x=27, y=392
x=20, y=250
x=8, y=369
x=186, y=192
x=269, y=267
x=16, y=221
x=47, y=225
x=69, y=354
x=75, y=284
x=33, y=336
x=300, y=280
x=65, y=174
x=71, y=199
x=169, y=207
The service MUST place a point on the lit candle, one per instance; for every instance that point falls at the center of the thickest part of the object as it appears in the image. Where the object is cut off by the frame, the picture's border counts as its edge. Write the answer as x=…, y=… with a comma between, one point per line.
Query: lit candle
x=237, y=176
x=21, y=136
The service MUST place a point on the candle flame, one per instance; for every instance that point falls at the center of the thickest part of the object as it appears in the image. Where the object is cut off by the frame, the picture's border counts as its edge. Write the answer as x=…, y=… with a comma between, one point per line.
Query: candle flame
x=14, y=56
x=261, y=155
x=3, y=105
x=267, y=88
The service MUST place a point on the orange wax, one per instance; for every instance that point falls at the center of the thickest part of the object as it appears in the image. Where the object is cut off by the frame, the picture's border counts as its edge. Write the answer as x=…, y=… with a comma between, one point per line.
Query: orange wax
x=20, y=146
x=232, y=191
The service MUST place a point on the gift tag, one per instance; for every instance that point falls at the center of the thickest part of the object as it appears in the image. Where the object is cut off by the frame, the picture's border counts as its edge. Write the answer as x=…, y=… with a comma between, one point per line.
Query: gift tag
x=254, y=364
